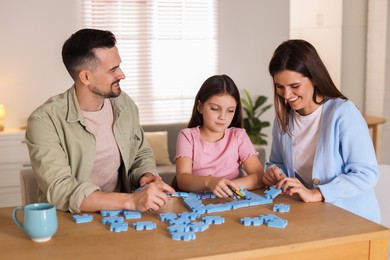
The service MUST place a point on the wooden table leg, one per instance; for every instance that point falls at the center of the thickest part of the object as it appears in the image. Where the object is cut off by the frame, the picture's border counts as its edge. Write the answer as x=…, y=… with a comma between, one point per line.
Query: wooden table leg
x=374, y=137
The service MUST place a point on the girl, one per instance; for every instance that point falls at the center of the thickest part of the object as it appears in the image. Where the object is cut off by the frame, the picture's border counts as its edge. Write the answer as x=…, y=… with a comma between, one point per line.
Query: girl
x=321, y=147
x=211, y=150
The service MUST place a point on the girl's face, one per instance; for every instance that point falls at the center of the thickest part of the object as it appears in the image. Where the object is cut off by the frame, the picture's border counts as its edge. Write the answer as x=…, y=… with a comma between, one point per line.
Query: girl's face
x=218, y=112
x=296, y=90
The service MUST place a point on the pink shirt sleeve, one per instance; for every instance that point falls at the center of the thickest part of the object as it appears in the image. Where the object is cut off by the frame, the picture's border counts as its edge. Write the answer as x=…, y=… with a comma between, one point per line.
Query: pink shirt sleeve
x=245, y=146
x=185, y=144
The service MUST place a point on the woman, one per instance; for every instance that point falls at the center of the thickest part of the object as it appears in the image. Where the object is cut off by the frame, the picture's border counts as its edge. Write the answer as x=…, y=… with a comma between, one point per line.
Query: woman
x=321, y=148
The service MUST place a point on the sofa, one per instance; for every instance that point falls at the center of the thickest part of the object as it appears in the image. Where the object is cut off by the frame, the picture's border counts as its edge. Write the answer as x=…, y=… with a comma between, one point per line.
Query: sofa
x=162, y=139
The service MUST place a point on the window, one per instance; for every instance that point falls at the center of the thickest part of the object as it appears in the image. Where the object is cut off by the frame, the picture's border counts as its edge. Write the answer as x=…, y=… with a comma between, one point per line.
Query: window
x=168, y=49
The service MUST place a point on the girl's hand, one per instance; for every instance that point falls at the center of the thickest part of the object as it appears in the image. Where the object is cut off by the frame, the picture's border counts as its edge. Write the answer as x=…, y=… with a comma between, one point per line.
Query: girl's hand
x=220, y=186
x=272, y=176
x=293, y=186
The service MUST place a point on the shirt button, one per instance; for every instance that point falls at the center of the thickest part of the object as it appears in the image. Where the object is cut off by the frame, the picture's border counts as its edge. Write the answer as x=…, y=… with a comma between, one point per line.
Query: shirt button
x=316, y=181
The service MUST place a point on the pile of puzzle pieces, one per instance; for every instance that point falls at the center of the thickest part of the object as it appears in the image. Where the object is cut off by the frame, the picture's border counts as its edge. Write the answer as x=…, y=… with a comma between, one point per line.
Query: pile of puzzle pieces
x=180, y=225
x=181, y=228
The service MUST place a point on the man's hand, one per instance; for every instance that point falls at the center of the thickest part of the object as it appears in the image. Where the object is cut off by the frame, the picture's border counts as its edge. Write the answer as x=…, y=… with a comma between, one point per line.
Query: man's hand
x=148, y=178
x=153, y=196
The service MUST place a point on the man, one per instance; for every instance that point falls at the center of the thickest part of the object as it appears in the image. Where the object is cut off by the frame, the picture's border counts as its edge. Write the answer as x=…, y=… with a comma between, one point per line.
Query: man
x=86, y=145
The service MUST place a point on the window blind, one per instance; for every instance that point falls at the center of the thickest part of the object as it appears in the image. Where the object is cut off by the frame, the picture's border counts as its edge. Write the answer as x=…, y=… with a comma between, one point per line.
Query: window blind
x=168, y=49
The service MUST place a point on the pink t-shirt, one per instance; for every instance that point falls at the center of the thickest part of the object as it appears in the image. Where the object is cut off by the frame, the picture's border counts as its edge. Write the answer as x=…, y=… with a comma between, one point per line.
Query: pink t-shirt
x=219, y=159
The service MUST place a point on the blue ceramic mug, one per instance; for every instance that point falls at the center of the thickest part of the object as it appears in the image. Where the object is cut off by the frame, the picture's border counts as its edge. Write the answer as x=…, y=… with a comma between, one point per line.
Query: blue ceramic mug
x=39, y=222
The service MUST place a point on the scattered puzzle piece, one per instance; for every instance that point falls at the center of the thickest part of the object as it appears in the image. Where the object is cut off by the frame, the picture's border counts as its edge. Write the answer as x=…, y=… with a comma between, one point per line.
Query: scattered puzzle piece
x=279, y=223
x=119, y=226
x=179, y=194
x=110, y=213
x=274, y=221
x=147, y=225
x=178, y=221
x=198, y=226
x=213, y=220
x=190, y=215
x=82, y=218
x=183, y=236
x=178, y=228
x=167, y=216
x=272, y=192
x=112, y=219
x=131, y=214
x=247, y=221
x=281, y=207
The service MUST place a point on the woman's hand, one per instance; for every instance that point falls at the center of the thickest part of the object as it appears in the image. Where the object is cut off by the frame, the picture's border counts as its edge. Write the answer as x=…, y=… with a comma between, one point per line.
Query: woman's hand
x=272, y=176
x=293, y=186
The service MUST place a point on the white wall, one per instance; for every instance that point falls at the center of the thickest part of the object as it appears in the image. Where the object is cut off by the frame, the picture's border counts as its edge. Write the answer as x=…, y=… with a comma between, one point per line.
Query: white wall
x=32, y=34
x=31, y=70
x=376, y=79
x=353, y=69
x=320, y=23
x=248, y=35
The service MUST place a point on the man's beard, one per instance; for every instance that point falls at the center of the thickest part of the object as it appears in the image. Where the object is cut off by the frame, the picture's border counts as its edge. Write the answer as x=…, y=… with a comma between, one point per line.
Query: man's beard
x=109, y=94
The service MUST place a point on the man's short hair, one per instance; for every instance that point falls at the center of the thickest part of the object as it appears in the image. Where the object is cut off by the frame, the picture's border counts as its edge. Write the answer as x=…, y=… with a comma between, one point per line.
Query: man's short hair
x=77, y=51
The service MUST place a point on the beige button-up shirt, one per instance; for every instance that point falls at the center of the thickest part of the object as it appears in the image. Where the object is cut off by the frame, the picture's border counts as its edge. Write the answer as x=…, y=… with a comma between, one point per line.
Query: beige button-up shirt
x=62, y=149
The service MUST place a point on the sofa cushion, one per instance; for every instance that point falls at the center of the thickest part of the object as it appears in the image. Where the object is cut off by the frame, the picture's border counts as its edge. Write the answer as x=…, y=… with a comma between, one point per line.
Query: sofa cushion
x=167, y=173
x=158, y=141
x=173, y=130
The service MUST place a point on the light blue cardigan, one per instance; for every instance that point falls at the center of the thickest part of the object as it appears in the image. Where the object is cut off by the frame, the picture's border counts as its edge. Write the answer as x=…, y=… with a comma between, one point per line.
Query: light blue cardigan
x=344, y=162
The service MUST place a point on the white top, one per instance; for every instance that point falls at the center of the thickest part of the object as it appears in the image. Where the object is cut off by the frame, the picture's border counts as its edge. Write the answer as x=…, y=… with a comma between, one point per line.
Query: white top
x=305, y=134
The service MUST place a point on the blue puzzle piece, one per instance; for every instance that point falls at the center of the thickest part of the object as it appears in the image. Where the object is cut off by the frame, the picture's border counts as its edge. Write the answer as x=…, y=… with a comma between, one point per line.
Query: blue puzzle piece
x=183, y=236
x=198, y=226
x=109, y=213
x=192, y=202
x=200, y=209
x=206, y=195
x=179, y=194
x=82, y=218
x=178, y=228
x=119, y=226
x=112, y=219
x=179, y=221
x=272, y=192
x=247, y=221
x=281, y=207
x=190, y=215
x=148, y=225
x=211, y=208
x=167, y=216
x=274, y=221
x=268, y=217
x=239, y=204
x=279, y=223
x=131, y=214
x=213, y=220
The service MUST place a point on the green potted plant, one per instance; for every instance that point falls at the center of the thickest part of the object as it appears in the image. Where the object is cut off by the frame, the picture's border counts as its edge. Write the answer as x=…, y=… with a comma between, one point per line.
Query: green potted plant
x=252, y=122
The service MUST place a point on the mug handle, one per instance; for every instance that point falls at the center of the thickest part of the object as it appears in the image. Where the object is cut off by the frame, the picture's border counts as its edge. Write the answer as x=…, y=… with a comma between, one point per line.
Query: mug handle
x=16, y=220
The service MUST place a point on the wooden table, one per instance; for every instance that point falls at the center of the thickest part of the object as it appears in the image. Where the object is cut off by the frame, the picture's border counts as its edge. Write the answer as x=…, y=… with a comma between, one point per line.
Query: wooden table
x=314, y=231
x=372, y=123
